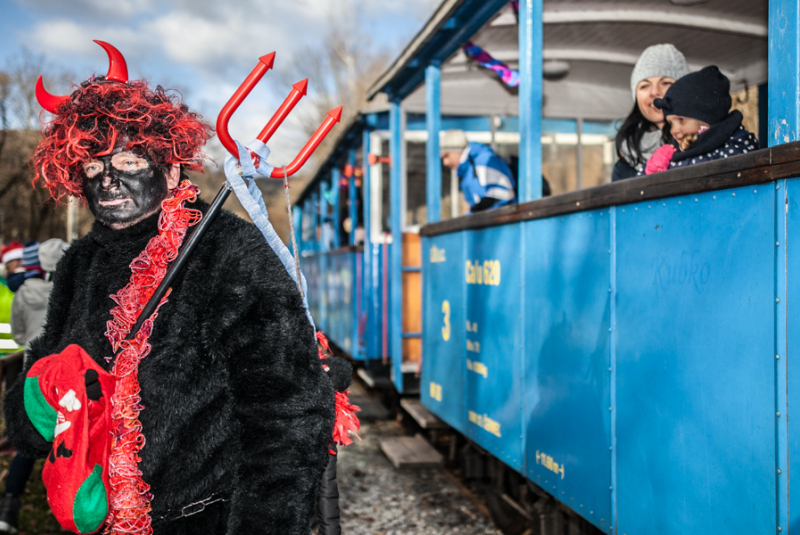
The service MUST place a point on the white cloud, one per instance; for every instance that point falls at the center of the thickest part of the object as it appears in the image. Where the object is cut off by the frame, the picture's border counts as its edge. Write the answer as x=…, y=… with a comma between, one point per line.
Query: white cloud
x=62, y=38
x=90, y=9
x=186, y=38
x=417, y=9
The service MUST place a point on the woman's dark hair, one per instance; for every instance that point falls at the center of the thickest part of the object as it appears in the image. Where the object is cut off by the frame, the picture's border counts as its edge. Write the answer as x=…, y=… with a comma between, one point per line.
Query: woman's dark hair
x=631, y=132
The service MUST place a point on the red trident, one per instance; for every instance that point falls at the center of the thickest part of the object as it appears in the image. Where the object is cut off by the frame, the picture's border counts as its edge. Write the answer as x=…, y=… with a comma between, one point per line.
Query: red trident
x=298, y=91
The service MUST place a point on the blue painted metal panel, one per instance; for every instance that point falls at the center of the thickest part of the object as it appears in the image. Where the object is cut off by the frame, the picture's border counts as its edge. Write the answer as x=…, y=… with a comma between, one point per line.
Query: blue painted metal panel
x=433, y=178
x=310, y=267
x=784, y=74
x=345, y=319
x=443, y=328
x=781, y=368
x=330, y=282
x=308, y=222
x=763, y=116
x=336, y=194
x=396, y=252
x=324, y=217
x=366, y=203
x=567, y=361
x=297, y=222
x=373, y=270
x=791, y=213
x=368, y=287
x=374, y=329
x=612, y=343
x=352, y=198
x=339, y=277
x=355, y=297
x=321, y=318
x=360, y=318
x=784, y=126
x=345, y=265
x=378, y=121
x=335, y=276
x=315, y=234
x=530, y=100
x=332, y=299
x=493, y=323
x=695, y=364
x=387, y=321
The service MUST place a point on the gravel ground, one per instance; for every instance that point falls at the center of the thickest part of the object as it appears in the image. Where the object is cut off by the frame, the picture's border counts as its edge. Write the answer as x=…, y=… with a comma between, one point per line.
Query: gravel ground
x=377, y=499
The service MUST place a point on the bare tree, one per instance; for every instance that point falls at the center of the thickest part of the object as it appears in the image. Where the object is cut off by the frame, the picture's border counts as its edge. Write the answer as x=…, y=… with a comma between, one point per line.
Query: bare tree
x=22, y=70
x=26, y=213
x=342, y=67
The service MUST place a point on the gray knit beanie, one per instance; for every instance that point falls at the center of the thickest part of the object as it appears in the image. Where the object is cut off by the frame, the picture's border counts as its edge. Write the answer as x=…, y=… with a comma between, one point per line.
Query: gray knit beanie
x=452, y=141
x=50, y=252
x=658, y=60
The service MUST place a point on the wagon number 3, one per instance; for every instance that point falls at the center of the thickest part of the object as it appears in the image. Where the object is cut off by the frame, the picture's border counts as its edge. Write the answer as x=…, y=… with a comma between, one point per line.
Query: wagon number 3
x=446, y=328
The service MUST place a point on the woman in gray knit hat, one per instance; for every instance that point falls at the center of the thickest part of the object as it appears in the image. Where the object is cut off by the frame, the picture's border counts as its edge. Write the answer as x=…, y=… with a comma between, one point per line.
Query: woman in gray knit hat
x=641, y=132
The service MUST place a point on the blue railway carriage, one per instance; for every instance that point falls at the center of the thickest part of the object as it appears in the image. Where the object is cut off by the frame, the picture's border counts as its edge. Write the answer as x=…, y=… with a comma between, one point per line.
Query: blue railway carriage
x=617, y=356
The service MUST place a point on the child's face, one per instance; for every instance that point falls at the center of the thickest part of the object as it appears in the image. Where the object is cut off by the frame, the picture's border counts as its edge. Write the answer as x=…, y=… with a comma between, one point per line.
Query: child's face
x=681, y=127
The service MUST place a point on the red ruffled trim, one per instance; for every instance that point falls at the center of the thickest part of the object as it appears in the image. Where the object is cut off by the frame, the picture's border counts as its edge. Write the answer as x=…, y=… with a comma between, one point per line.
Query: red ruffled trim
x=324, y=349
x=129, y=501
x=346, y=423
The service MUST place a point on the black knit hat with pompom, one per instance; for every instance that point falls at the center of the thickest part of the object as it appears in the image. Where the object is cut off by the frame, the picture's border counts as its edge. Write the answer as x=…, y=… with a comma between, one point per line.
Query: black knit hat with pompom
x=703, y=95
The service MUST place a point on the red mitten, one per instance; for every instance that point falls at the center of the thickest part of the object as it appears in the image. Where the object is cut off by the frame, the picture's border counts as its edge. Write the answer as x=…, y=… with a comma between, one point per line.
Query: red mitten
x=660, y=159
x=67, y=398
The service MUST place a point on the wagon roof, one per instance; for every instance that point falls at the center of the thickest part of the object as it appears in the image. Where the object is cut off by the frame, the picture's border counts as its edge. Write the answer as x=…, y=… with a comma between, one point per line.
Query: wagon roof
x=599, y=40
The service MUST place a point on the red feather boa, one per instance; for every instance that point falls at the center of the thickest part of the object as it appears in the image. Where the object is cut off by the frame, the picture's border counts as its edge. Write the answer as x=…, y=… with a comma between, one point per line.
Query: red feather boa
x=129, y=503
x=346, y=420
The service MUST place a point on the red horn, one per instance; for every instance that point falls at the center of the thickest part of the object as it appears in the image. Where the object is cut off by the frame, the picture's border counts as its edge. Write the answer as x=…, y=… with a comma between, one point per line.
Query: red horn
x=49, y=102
x=117, y=68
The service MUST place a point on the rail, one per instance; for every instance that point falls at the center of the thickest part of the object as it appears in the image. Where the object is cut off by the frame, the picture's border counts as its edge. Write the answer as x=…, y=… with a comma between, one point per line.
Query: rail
x=758, y=167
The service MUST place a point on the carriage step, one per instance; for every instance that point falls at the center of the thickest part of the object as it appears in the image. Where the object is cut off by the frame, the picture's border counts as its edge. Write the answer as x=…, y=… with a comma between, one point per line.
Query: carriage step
x=374, y=381
x=411, y=452
x=371, y=410
x=425, y=418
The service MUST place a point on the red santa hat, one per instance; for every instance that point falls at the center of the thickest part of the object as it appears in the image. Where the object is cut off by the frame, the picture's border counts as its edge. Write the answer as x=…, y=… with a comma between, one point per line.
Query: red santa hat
x=11, y=251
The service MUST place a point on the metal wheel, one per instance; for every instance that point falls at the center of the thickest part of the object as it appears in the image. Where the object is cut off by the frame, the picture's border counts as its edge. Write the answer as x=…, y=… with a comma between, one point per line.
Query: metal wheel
x=503, y=500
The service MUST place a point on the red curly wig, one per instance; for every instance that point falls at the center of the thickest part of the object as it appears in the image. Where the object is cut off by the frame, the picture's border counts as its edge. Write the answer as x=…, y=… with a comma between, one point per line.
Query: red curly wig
x=102, y=115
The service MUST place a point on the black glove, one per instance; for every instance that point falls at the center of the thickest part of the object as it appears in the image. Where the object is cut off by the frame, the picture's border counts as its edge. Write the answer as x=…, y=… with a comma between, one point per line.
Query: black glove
x=93, y=390
x=340, y=372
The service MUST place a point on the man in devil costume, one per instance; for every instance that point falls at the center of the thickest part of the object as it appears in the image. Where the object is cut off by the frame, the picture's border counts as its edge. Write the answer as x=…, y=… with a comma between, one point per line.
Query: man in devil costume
x=221, y=417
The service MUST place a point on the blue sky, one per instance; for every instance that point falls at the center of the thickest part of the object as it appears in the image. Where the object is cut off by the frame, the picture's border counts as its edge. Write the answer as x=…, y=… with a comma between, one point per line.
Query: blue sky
x=204, y=47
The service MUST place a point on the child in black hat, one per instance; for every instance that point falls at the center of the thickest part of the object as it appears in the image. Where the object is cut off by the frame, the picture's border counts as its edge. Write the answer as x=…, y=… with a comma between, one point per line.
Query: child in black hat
x=696, y=109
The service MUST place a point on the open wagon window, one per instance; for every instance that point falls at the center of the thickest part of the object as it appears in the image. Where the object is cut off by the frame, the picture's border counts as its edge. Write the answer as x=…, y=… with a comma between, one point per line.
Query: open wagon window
x=581, y=88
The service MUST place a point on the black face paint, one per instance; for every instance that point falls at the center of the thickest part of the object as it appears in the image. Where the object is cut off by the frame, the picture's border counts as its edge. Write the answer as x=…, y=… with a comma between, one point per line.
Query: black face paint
x=119, y=198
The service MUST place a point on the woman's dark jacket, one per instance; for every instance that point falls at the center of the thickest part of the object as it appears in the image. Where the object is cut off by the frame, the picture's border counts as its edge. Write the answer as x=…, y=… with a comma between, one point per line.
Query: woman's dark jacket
x=236, y=404
x=622, y=170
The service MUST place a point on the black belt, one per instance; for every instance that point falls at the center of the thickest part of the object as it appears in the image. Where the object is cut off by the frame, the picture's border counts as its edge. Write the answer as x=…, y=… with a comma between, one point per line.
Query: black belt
x=189, y=510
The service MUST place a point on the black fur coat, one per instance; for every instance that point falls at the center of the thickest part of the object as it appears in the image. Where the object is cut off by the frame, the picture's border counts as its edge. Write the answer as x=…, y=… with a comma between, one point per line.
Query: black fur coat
x=236, y=403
